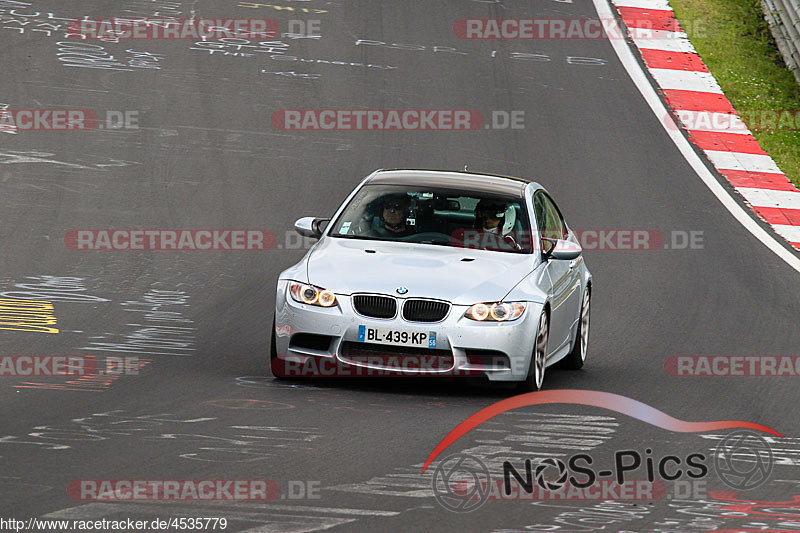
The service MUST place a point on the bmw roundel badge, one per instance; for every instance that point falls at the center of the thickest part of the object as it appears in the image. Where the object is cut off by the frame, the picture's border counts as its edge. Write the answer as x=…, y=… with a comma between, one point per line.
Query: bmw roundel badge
x=402, y=290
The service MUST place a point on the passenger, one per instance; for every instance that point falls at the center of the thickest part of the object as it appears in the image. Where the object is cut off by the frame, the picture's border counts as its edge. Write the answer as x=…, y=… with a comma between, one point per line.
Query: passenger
x=490, y=216
x=490, y=219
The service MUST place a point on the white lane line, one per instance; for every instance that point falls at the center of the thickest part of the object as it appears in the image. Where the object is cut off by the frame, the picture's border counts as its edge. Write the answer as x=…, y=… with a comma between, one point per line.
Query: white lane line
x=515, y=436
x=555, y=443
x=644, y=4
x=708, y=121
x=668, y=41
x=642, y=83
x=724, y=160
x=101, y=509
x=303, y=508
x=686, y=80
x=292, y=525
x=88, y=511
x=770, y=198
x=785, y=451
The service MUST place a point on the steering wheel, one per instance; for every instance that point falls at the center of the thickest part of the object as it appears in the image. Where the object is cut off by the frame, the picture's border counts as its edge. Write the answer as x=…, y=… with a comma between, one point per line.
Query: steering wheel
x=509, y=239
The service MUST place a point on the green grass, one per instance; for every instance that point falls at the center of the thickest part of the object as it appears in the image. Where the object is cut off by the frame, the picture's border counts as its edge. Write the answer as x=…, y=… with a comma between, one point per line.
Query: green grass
x=734, y=41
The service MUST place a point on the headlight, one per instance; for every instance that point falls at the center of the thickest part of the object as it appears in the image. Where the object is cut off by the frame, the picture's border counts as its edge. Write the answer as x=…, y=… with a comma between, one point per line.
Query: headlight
x=308, y=294
x=495, y=312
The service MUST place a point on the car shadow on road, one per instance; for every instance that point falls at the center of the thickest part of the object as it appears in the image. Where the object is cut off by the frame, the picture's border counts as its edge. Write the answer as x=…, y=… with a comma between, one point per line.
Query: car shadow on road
x=418, y=386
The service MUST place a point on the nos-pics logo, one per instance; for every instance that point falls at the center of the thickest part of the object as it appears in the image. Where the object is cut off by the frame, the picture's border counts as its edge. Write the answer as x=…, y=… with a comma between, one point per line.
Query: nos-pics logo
x=743, y=460
x=461, y=483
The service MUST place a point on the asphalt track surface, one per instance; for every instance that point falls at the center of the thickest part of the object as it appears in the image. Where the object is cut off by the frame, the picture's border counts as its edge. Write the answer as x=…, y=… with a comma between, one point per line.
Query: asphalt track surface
x=206, y=156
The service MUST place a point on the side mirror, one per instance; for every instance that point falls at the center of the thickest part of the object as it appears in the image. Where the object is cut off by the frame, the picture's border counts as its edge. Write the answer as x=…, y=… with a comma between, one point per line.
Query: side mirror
x=563, y=250
x=311, y=226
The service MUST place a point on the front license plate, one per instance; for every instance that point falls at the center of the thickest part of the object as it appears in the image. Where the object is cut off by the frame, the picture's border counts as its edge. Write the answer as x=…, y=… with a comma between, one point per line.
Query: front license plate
x=397, y=337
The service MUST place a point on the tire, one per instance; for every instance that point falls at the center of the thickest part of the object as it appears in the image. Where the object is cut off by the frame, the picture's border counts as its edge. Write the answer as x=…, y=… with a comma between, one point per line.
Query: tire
x=535, y=378
x=577, y=357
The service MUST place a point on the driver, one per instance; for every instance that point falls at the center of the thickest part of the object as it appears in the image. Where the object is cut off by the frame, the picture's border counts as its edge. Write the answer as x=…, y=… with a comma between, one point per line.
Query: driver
x=394, y=209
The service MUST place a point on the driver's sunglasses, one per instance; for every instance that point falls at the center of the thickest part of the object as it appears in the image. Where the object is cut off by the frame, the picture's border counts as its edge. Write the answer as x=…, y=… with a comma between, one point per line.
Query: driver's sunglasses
x=489, y=214
x=397, y=206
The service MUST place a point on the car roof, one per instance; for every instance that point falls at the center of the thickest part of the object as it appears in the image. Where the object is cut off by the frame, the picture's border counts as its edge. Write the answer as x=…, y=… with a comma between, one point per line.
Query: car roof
x=471, y=181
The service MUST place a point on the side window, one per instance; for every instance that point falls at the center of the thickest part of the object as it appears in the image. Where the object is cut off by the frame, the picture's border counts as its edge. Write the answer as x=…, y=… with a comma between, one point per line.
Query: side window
x=554, y=224
x=539, y=211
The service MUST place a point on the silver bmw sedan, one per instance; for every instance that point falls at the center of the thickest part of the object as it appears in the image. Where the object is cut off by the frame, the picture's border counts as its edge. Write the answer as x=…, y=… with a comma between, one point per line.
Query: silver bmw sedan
x=435, y=273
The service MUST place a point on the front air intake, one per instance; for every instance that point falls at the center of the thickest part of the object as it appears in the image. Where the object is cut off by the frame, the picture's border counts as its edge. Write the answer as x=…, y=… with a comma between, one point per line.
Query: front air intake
x=425, y=310
x=375, y=306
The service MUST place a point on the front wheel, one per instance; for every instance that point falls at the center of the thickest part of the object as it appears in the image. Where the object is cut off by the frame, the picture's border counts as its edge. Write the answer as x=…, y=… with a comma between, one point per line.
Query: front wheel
x=577, y=357
x=535, y=377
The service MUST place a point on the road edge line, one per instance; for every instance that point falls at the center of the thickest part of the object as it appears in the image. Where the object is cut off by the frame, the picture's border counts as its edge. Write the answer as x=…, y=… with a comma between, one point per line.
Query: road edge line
x=641, y=81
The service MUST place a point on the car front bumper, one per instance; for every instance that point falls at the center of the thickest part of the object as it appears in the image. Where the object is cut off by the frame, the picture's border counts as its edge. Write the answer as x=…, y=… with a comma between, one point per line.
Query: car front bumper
x=500, y=351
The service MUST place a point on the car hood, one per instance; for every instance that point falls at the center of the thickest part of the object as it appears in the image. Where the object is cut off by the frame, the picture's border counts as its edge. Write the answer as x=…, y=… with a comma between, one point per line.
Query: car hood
x=344, y=266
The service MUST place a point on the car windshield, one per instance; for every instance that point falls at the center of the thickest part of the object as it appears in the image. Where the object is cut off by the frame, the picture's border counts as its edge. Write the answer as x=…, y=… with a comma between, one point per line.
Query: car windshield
x=436, y=217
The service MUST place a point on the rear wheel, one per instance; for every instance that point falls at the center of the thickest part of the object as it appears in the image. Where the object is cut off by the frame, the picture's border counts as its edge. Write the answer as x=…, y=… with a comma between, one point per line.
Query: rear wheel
x=577, y=357
x=535, y=378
